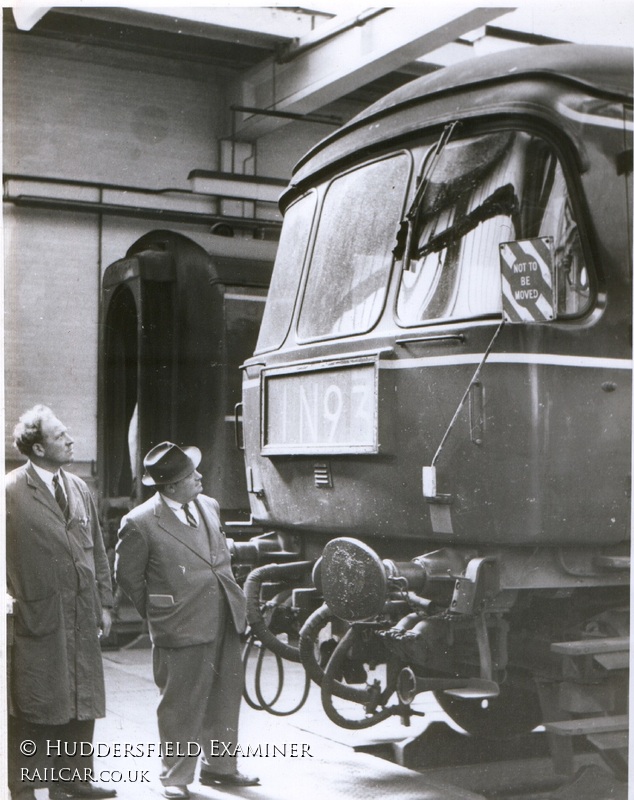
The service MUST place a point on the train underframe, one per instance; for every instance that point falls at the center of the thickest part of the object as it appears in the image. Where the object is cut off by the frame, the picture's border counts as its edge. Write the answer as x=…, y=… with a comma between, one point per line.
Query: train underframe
x=500, y=661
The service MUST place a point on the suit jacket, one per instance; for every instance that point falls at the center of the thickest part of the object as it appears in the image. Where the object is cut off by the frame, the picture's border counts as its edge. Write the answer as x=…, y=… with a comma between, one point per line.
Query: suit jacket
x=172, y=583
x=59, y=575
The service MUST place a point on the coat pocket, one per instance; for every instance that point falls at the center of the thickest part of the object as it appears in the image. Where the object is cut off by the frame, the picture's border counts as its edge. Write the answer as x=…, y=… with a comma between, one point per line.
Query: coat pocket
x=84, y=533
x=164, y=616
x=38, y=617
x=161, y=600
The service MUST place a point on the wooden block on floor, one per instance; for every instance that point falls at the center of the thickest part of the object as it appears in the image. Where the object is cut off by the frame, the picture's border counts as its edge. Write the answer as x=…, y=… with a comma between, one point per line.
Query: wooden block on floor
x=590, y=647
x=590, y=725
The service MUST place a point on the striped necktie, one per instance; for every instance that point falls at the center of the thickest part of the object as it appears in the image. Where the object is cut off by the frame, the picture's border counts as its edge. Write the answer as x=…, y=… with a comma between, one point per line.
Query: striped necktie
x=189, y=516
x=60, y=496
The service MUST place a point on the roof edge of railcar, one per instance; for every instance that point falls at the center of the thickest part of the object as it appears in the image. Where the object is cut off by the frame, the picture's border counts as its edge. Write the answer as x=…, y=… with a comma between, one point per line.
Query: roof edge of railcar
x=601, y=69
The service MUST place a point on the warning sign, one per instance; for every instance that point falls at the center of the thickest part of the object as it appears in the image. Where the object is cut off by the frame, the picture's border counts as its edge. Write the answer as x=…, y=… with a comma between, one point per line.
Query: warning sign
x=528, y=280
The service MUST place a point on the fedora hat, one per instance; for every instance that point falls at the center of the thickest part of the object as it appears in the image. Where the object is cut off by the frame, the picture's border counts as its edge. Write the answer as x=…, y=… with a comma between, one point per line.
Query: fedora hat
x=169, y=463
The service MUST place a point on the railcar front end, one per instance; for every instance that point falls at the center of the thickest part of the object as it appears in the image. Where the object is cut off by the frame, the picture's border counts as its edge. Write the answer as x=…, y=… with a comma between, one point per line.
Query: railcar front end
x=436, y=419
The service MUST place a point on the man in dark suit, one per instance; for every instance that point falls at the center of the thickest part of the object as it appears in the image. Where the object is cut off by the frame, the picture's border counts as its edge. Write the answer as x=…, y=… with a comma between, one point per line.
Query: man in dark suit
x=174, y=564
x=59, y=579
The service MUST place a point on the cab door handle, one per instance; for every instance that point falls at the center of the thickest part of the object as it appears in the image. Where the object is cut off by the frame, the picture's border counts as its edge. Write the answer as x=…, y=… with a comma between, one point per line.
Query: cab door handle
x=433, y=337
x=237, y=426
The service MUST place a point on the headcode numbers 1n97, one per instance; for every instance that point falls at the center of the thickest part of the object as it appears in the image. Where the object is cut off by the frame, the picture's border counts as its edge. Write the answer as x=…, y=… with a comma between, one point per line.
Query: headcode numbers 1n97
x=325, y=410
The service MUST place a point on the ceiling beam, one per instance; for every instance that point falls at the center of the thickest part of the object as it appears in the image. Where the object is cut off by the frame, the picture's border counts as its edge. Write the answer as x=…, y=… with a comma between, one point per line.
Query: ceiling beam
x=25, y=17
x=264, y=27
x=326, y=65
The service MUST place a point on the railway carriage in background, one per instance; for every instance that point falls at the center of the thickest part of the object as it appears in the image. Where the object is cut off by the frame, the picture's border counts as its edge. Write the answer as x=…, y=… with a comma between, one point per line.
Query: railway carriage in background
x=178, y=319
x=437, y=416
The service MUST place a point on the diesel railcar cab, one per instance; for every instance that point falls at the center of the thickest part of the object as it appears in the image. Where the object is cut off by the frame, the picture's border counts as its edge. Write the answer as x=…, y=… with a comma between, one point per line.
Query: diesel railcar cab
x=436, y=418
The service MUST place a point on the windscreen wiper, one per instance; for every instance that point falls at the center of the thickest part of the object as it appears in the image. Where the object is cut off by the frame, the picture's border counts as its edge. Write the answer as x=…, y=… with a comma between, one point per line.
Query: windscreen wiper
x=405, y=235
x=503, y=201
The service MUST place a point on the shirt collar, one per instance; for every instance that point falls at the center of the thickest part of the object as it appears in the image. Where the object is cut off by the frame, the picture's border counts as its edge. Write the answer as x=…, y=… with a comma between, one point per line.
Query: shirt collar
x=171, y=503
x=47, y=476
x=179, y=511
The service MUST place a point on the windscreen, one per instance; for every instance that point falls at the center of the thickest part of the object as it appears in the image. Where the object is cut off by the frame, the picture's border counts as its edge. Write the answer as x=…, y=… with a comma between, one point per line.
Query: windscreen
x=352, y=258
x=287, y=273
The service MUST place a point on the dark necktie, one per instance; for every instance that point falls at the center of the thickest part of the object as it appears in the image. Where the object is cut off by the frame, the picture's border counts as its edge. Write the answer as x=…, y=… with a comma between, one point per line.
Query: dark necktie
x=60, y=496
x=189, y=516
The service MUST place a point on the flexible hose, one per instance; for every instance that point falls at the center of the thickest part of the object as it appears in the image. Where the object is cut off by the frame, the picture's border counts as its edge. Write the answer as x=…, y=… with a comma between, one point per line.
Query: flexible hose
x=254, y=614
x=328, y=690
x=280, y=677
x=268, y=706
x=307, y=636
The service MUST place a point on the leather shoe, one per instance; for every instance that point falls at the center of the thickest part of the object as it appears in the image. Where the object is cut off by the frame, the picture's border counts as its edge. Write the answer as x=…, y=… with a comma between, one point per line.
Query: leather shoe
x=228, y=779
x=80, y=789
x=176, y=792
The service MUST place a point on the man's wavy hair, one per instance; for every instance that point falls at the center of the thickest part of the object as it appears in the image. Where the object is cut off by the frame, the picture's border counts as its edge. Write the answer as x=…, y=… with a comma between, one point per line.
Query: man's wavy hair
x=28, y=431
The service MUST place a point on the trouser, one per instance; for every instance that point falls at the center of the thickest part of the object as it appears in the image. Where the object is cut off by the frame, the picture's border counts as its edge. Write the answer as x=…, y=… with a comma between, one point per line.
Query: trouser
x=201, y=689
x=48, y=755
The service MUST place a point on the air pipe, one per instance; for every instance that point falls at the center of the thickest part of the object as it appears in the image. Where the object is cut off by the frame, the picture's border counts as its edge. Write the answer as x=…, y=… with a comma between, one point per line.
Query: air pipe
x=255, y=618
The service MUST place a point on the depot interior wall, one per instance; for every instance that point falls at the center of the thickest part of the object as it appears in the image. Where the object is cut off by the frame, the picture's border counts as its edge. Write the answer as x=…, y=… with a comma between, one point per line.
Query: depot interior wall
x=84, y=113
x=95, y=114
x=50, y=322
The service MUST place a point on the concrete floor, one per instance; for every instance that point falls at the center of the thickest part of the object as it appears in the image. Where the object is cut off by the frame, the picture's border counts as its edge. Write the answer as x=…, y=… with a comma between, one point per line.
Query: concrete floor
x=333, y=765
x=333, y=770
